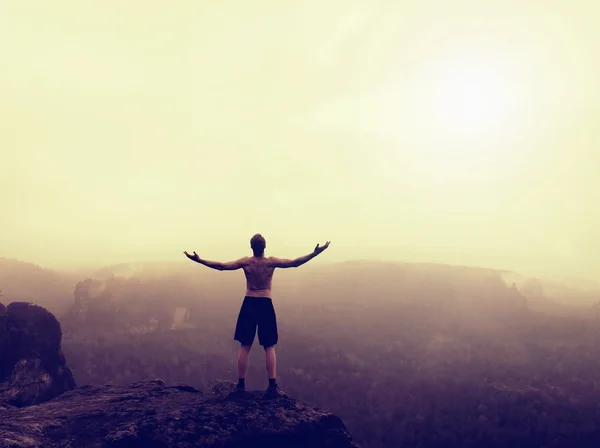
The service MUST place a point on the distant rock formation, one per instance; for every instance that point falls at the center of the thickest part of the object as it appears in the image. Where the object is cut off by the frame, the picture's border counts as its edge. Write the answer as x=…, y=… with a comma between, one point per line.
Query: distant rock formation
x=117, y=305
x=152, y=414
x=32, y=365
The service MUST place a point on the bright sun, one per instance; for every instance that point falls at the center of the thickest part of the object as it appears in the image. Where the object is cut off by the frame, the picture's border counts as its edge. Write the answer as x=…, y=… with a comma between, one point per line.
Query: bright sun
x=467, y=97
x=467, y=101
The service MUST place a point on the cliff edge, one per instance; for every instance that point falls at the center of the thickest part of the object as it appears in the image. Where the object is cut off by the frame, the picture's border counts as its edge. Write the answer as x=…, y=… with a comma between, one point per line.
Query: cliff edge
x=152, y=414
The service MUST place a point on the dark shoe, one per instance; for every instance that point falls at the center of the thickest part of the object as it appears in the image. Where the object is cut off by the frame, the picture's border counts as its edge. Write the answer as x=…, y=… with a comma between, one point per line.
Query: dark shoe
x=274, y=392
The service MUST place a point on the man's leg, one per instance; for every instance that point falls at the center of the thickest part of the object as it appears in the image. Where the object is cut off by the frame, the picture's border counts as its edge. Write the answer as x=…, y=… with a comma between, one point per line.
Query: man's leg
x=271, y=362
x=273, y=391
x=268, y=338
x=245, y=331
x=242, y=362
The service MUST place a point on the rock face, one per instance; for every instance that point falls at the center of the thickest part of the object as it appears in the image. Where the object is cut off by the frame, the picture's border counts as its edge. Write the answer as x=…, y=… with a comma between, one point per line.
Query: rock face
x=153, y=415
x=32, y=365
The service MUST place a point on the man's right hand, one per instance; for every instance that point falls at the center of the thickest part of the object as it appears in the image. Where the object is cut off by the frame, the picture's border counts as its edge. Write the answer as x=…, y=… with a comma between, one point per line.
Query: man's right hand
x=194, y=257
x=320, y=249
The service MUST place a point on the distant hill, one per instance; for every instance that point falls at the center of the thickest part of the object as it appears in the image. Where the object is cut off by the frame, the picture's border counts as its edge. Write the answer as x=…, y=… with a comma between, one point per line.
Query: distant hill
x=186, y=284
x=26, y=282
x=23, y=281
x=139, y=269
x=543, y=295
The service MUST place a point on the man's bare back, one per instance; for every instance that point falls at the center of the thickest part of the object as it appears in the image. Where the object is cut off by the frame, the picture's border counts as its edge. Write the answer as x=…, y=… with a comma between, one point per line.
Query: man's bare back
x=259, y=276
x=259, y=273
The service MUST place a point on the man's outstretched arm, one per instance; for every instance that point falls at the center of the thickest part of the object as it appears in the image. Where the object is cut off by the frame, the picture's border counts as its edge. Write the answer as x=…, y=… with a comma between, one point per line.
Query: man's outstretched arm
x=228, y=266
x=286, y=263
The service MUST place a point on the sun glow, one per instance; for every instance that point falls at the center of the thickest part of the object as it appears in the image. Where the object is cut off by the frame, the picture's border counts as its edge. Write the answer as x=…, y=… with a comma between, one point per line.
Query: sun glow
x=470, y=100
x=459, y=116
x=468, y=97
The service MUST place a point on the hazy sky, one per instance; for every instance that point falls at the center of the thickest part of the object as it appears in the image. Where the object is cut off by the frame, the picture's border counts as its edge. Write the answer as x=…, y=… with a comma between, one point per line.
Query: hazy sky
x=449, y=131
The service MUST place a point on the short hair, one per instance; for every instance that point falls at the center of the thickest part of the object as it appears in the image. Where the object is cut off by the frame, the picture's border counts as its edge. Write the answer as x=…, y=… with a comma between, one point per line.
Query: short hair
x=258, y=243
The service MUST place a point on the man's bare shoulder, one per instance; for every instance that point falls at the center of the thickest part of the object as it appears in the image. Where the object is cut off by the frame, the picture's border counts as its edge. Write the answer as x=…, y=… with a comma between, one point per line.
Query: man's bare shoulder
x=276, y=262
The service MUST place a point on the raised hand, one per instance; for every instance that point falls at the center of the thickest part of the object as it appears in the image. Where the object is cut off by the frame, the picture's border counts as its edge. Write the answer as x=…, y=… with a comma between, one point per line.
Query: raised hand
x=194, y=257
x=320, y=249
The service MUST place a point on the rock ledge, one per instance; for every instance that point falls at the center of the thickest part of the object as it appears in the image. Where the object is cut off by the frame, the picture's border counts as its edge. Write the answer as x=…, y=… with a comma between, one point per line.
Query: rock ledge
x=152, y=414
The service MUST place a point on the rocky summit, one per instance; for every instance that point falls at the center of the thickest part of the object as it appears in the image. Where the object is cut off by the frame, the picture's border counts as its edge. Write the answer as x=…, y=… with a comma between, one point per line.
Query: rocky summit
x=41, y=408
x=152, y=414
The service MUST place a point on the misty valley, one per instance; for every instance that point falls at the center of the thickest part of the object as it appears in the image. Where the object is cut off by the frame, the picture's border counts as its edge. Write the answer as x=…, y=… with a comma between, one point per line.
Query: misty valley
x=406, y=354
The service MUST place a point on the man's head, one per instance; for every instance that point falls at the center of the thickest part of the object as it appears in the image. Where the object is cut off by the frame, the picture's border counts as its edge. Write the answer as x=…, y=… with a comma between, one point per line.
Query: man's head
x=258, y=244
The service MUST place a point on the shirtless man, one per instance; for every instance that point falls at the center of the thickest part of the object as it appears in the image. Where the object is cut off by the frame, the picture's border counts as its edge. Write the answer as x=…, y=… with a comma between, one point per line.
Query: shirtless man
x=257, y=308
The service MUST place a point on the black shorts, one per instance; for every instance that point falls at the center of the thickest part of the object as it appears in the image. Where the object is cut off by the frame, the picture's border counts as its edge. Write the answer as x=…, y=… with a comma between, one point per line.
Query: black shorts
x=257, y=311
